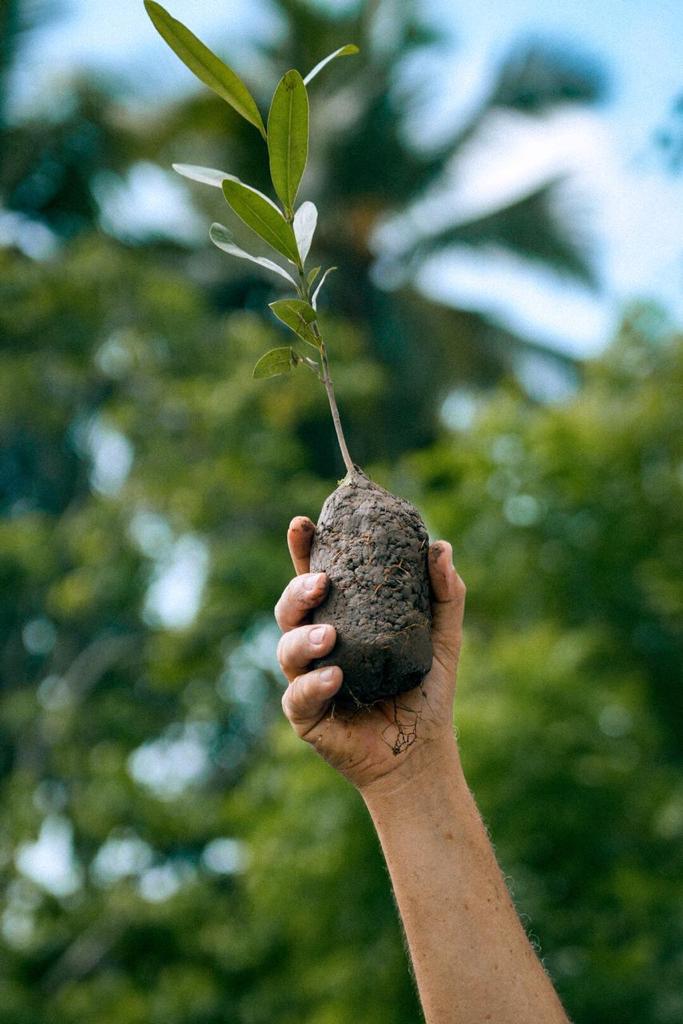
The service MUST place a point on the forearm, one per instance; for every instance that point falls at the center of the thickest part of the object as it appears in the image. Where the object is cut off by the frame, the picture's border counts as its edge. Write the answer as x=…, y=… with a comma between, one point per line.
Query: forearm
x=471, y=957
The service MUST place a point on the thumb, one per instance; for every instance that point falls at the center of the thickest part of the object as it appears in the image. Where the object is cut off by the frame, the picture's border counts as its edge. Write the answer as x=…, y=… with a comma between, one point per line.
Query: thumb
x=448, y=605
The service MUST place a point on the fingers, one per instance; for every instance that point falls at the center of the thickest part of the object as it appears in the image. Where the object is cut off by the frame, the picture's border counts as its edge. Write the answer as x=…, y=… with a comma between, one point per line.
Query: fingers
x=299, y=539
x=448, y=605
x=306, y=699
x=297, y=649
x=298, y=598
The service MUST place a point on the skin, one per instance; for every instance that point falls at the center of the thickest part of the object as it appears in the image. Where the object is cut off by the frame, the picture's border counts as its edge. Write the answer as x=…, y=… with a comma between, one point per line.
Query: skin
x=472, y=960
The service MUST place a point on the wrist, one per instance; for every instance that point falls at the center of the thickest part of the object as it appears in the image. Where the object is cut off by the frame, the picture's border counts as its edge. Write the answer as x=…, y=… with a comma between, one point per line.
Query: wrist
x=436, y=763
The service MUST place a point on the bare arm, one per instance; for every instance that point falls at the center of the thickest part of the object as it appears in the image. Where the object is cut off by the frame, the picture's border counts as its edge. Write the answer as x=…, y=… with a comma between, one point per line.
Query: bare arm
x=471, y=957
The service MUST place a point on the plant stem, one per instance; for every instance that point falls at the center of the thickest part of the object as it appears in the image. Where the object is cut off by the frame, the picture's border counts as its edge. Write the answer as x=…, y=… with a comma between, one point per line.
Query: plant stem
x=327, y=381
x=329, y=388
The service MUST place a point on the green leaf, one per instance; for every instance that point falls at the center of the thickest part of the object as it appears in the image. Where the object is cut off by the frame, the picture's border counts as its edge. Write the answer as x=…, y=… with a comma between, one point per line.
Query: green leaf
x=204, y=175
x=221, y=237
x=305, y=220
x=288, y=137
x=343, y=51
x=262, y=215
x=314, y=297
x=298, y=316
x=312, y=274
x=278, y=360
x=208, y=68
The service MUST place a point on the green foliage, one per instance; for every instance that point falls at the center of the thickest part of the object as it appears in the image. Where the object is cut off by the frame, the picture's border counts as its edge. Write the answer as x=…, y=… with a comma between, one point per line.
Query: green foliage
x=298, y=316
x=288, y=138
x=262, y=216
x=277, y=361
x=316, y=293
x=342, y=51
x=565, y=523
x=84, y=149
x=231, y=876
x=222, y=238
x=204, y=175
x=304, y=224
x=288, y=233
x=208, y=68
x=311, y=276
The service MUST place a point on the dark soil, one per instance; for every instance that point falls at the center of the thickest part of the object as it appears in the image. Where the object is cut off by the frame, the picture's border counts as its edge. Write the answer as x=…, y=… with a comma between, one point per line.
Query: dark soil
x=373, y=547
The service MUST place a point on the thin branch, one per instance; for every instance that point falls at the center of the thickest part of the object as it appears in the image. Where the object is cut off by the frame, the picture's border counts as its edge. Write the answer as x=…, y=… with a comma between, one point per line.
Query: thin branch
x=329, y=388
x=304, y=291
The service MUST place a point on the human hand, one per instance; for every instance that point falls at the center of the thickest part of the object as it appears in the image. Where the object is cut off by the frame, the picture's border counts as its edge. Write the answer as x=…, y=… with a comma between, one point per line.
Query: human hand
x=395, y=738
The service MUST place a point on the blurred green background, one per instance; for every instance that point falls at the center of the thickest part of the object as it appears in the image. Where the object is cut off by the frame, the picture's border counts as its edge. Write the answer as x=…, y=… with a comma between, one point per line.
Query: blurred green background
x=169, y=853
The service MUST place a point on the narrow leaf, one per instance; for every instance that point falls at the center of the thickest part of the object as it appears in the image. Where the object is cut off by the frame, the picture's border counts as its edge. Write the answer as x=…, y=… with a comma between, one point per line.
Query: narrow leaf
x=305, y=220
x=314, y=297
x=204, y=175
x=221, y=237
x=262, y=216
x=278, y=360
x=208, y=68
x=311, y=276
x=343, y=51
x=298, y=316
x=288, y=137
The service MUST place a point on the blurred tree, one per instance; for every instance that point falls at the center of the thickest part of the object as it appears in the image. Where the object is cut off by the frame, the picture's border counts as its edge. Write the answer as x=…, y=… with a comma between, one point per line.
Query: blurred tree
x=566, y=523
x=359, y=126
x=51, y=167
x=17, y=18
x=167, y=852
x=107, y=356
x=59, y=167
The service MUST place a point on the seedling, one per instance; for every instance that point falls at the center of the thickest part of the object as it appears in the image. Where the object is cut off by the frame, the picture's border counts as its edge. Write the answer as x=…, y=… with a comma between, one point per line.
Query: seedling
x=372, y=544
x=288, y=232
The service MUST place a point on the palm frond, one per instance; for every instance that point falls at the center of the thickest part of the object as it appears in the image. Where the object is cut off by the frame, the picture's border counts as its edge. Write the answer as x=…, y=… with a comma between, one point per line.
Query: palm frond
x=535, y=227
x=537, y=75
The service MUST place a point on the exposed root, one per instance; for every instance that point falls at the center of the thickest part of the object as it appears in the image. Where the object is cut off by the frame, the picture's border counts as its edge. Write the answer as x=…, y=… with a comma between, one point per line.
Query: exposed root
x=424, y=695
x=350, y=710
x=406, y=732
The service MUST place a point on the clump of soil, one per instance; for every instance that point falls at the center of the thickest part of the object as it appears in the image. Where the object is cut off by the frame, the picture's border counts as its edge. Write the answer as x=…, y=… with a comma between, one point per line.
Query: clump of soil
x=373, y=547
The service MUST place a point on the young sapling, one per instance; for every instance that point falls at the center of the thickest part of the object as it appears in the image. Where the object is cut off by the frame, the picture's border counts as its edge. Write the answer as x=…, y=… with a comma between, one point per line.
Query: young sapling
x=372, y=545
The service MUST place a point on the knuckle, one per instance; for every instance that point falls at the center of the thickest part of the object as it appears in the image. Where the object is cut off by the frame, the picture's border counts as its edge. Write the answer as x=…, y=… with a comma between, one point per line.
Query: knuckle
x=298, y=598
x=287, y=704
x=304, y=596
x=308, y=634
x=320, y=637
x=280, y=650
x=281, y=608
x=310, y=588
x=291, y=701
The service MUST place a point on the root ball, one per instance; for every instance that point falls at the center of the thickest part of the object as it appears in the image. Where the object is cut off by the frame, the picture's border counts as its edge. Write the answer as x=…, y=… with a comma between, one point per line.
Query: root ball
x=373, y=547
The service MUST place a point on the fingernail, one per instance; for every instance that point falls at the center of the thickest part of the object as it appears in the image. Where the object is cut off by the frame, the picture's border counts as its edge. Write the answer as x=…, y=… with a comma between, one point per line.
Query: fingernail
x=312, y=581
x=327, y=674
x=318, y=635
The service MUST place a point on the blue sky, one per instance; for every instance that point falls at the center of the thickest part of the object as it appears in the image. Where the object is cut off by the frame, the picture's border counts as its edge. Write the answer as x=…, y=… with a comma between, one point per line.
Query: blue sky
x=635, y=205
